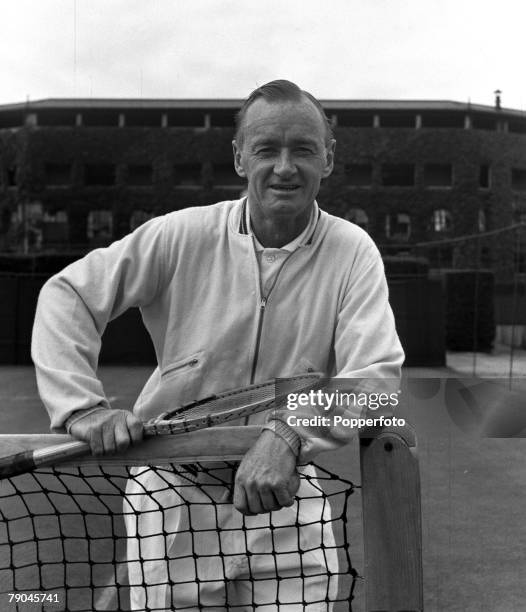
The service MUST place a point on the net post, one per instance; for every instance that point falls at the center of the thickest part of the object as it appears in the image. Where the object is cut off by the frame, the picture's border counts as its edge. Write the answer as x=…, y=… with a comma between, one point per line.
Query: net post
x=391, y=520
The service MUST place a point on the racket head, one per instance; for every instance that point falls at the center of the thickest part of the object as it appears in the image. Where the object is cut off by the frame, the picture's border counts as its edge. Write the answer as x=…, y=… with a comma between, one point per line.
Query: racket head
x=229, y=405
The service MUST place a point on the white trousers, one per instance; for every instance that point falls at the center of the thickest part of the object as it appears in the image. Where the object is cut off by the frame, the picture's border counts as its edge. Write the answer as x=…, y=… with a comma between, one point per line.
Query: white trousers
x=187, y=546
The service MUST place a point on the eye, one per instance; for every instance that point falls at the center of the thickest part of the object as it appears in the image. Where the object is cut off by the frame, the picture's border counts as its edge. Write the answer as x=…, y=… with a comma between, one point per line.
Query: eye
x=264, y=151
x=304, y=150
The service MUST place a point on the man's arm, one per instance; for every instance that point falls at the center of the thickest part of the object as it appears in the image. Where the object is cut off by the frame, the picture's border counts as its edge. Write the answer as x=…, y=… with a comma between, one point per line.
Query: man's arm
x=266, y=479
x=73, y=310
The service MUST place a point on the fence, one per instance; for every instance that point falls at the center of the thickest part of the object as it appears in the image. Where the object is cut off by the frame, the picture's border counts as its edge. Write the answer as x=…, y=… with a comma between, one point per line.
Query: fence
x=125, y=339
x=417, y=304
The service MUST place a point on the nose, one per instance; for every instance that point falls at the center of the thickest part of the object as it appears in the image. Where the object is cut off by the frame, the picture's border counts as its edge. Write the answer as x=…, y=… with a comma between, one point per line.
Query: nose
x=284, y=165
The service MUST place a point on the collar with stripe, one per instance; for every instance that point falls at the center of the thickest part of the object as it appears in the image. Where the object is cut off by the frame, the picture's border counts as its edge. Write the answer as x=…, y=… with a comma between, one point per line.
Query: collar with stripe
x=243, y=225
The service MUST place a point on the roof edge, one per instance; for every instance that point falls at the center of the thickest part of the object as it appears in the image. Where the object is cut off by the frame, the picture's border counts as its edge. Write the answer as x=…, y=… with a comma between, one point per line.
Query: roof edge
x=219, y=103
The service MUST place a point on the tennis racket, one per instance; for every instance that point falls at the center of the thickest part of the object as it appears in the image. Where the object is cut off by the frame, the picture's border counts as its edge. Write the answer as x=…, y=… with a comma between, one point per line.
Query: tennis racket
x=213, y=410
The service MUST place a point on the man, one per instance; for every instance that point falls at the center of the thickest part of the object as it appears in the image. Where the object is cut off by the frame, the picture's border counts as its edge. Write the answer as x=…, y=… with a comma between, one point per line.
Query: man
x=231, y=294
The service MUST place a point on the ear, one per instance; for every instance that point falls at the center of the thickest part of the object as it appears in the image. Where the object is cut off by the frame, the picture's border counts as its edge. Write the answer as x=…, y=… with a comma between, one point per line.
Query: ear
x=329, y=158
x=237, y=159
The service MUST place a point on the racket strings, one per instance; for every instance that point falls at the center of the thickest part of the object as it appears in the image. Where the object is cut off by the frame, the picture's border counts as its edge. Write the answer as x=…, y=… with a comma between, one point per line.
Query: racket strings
x=230, y=405
x=221, y=404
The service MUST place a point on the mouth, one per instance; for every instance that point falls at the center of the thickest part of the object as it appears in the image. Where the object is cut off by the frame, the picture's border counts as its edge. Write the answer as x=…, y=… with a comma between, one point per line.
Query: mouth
x=284, y=187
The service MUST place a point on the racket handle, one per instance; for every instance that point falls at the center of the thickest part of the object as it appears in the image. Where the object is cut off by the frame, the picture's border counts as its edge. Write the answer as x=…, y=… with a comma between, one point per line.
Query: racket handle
x=23, y=462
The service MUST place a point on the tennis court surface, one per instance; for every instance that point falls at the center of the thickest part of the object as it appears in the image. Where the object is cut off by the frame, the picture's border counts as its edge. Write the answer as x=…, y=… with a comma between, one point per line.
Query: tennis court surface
x=473, y=496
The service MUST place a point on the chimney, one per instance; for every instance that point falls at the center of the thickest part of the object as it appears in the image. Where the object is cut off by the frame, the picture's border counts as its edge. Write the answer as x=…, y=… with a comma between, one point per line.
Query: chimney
x=497, y=93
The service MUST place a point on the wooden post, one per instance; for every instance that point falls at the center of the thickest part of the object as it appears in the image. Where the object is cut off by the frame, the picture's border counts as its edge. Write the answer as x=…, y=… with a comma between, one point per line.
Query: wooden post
x=391, y=520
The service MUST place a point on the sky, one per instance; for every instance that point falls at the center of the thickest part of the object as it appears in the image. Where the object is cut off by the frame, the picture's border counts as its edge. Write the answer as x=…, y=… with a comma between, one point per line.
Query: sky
x=336, y=49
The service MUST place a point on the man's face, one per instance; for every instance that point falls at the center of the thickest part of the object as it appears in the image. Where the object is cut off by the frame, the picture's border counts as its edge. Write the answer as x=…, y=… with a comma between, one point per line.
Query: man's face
x=284, y=154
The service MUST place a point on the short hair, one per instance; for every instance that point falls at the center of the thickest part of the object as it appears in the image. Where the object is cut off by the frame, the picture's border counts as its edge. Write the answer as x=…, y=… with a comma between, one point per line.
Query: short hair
x=280, y=90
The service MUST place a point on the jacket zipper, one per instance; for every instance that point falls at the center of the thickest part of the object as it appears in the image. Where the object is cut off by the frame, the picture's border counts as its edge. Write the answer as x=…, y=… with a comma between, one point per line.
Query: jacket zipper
x=188, y=364
x=262, y=306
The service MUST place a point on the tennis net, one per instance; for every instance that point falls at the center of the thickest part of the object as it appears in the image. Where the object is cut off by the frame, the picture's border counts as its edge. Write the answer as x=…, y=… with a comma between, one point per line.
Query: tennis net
x=163, y=537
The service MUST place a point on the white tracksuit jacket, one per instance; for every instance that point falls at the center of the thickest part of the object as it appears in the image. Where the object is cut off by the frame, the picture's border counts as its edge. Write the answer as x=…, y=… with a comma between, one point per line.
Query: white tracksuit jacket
x=194, y=275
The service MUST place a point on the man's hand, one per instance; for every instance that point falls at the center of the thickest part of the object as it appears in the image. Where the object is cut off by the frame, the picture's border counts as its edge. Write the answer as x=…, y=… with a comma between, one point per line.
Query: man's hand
x=266, y=478
x=108, y=431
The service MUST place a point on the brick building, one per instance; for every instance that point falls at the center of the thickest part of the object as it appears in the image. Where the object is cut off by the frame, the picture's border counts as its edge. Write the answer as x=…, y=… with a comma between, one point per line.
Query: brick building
x=75, y=174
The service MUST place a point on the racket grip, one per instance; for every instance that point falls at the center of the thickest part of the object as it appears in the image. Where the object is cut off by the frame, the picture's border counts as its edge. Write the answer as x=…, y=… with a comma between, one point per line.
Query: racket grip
x=16, y=464
x=20, y=463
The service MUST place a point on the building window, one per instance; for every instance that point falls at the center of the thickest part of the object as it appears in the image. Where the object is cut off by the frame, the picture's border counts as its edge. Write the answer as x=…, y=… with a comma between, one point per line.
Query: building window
x=100, y=225
x=11, y=119
x=518, y=179
x=398, y=226
x=99, y=117
x=139, y=175
x=138, y=217
x=186, y=118
x=58, y=175
x=31, y=211
x=142, y=118
x=438, y=175
x=483, y=122
x=484, y=177
x=355, y=119
x=27, y=218
x=443, y=120
x=397, y=120
x=54, y=118
x=359, y=175
x=225, y=175
x=359, y=217
x=223, y=117
x=100, y=175
x=441, y=220
x=187, y=175
x=398, y=175
x=58, y=216
x=55, y=226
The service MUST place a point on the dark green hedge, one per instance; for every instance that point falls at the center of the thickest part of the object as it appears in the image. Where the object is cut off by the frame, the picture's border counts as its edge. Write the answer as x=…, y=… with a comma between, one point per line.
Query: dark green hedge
x=36, y=264
x=415, y=267
x=470, y=315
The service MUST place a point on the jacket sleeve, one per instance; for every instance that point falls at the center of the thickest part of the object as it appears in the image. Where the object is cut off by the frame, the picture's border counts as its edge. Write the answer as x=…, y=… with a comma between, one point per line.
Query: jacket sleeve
x=73, y=309
x=368, y=357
